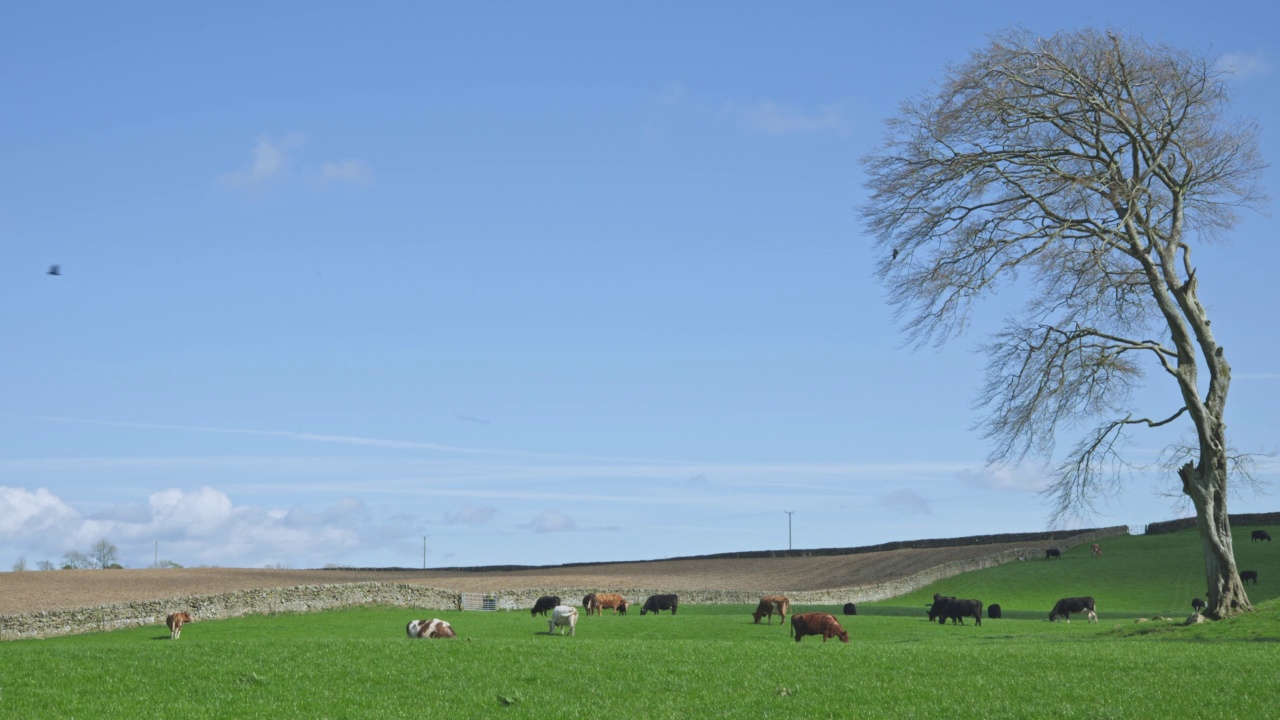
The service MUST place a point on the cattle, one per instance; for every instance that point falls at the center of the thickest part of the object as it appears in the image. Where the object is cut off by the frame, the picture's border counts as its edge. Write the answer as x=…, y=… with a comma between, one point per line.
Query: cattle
x=939, y=602
x=769, y=604
x=1198, y=605
x=850, y=609
x=545, y=604
x=1247, y=575
x=994, y=611
x=587, y=600
x=1096, y=549
x=1066, y=606
x=613, y=601
x=955, y=610
x=1260, y=535
x=817, y=623
x=1051, y=553
x=660, y=602
x=175, y=621
x=563, y=616
x=432, y=629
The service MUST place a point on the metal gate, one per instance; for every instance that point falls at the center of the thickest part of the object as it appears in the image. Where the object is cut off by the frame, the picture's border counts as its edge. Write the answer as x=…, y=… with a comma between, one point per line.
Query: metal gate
x=479, y=601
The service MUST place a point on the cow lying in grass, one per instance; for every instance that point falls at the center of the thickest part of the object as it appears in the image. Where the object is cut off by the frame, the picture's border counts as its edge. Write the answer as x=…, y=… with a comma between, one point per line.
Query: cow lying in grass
x=1066, y=606
x=769, y=604
x=817, y=623
x=175, y=621
x=430, y=629
x=561, y=617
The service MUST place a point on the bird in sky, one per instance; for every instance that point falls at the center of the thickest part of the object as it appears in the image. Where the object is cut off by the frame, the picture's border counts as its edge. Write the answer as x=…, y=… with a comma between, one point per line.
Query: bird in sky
x=55, y=270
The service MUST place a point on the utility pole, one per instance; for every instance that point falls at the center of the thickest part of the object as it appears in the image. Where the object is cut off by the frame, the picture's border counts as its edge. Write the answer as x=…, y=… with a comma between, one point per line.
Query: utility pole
x=156, y=566
x=424, y=552
x=789, y=514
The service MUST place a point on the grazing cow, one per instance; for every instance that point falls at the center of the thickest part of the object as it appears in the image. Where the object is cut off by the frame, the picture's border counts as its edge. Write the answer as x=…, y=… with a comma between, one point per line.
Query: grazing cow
x=1096, y=549
x=1198, y=605
x=1066, y=606
x=993, y=611
x=769, y=604
x=432, y=629
x=1247, y=575
x=1051, y=553
x=613, y=601
x=660, y=602
x=563, y=616
x=587, y=601
x=545, y=604
x=955, y=609
x=817, y=623
x=850, y=609
x=175, y=621
x=1260, y=535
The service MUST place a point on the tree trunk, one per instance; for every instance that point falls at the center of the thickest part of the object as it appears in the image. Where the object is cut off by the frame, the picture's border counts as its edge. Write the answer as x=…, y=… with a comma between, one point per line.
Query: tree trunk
x=1207, y=489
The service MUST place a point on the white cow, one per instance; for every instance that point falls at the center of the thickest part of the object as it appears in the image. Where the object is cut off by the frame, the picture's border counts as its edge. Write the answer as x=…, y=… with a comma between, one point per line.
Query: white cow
x=563, y=615
x=433, y=628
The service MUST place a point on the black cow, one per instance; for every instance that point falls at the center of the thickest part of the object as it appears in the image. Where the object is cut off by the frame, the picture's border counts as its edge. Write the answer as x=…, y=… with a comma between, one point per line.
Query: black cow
x=1066, y=606
x=993, y=611
x=1198, y=605
x=545, y=604
x=1247, y=575
x=939, y=602
x=588, y=600
x=1259, y=535
x=957, y=609
x=850, y=609
x=1051, y=553
x=660, y=602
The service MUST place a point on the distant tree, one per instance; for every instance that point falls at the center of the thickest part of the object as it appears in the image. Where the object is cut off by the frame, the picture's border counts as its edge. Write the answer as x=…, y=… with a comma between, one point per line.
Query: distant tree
x=168, y=564
x=1088, y=166
x=20, y=565
x=76, y=560
x=104, y=554
x=45, y=565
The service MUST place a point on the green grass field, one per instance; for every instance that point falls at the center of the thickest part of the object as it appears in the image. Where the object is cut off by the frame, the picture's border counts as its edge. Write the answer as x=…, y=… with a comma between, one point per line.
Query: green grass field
x=706, y=662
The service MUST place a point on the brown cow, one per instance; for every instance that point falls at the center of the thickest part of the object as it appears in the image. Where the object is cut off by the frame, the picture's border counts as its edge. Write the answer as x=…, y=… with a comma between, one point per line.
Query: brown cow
x=430, y=629
x=1096, y=549
x=175, y=622
x=818, y=623
x=770, y=604
x=613, y=601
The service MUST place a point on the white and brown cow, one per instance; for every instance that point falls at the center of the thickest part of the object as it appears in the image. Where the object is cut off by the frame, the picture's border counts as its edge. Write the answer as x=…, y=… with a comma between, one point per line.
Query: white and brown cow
x=175, y=621
x=434, y=628
x=1096, y=549
x=769, y=604
x=563, y=616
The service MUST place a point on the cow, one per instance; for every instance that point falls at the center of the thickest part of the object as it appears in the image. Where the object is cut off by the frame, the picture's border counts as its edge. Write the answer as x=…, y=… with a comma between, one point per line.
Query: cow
x=1051, y=553
x=563, y=616
x=769, y=604
x=432, y=629
x=175, y=621
x=939, y=602
x=1066, y=606
x=1096, y=549
x=955, y=610
x=1247, y=575
x=1260, y=535
x=613, y=601
x=993, y=611
x=817, y=623
x=660, y=602
x=545, y=604
x=850, y=609
x=1198, y=605
x=587, y=601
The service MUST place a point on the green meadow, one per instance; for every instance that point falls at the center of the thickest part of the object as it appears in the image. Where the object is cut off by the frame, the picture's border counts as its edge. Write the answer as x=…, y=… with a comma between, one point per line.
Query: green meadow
x=707, y=661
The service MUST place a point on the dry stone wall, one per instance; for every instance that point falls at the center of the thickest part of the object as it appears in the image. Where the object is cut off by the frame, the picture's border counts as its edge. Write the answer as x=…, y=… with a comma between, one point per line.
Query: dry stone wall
x=313, y=598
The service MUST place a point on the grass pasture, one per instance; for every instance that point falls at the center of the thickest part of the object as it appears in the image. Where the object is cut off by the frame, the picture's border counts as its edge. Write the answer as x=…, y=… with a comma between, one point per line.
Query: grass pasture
x=705, y=662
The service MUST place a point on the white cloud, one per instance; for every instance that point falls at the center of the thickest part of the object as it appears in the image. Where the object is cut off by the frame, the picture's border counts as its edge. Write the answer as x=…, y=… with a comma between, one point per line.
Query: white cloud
x=472, y=515
x=25, y=514
x=552, y=521
x=907, y=500
x=275, y=163
x=1243, y=65
x=1028, y=479
x=770, y=118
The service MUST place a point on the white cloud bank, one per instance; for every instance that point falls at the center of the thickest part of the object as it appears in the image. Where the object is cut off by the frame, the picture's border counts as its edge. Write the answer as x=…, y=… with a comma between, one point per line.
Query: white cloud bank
x=274, y=163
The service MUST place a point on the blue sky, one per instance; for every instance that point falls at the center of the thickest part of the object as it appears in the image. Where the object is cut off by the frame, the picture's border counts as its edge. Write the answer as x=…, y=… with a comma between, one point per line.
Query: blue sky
x=543, y=282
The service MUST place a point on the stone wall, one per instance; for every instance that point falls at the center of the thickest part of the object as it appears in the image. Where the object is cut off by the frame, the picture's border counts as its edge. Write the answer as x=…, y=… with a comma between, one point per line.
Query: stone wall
x=1237, y=520
x=312, y=598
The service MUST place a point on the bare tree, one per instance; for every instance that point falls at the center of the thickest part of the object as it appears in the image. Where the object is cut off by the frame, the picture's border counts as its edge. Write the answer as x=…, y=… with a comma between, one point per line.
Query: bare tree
x=76, y=560
x=1085, y=166
x=20, y=565
x=45, y=565
x=104, y=554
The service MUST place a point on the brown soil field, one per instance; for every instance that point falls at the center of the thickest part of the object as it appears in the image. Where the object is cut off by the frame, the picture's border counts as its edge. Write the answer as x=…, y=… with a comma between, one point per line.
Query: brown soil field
x=35, y=591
